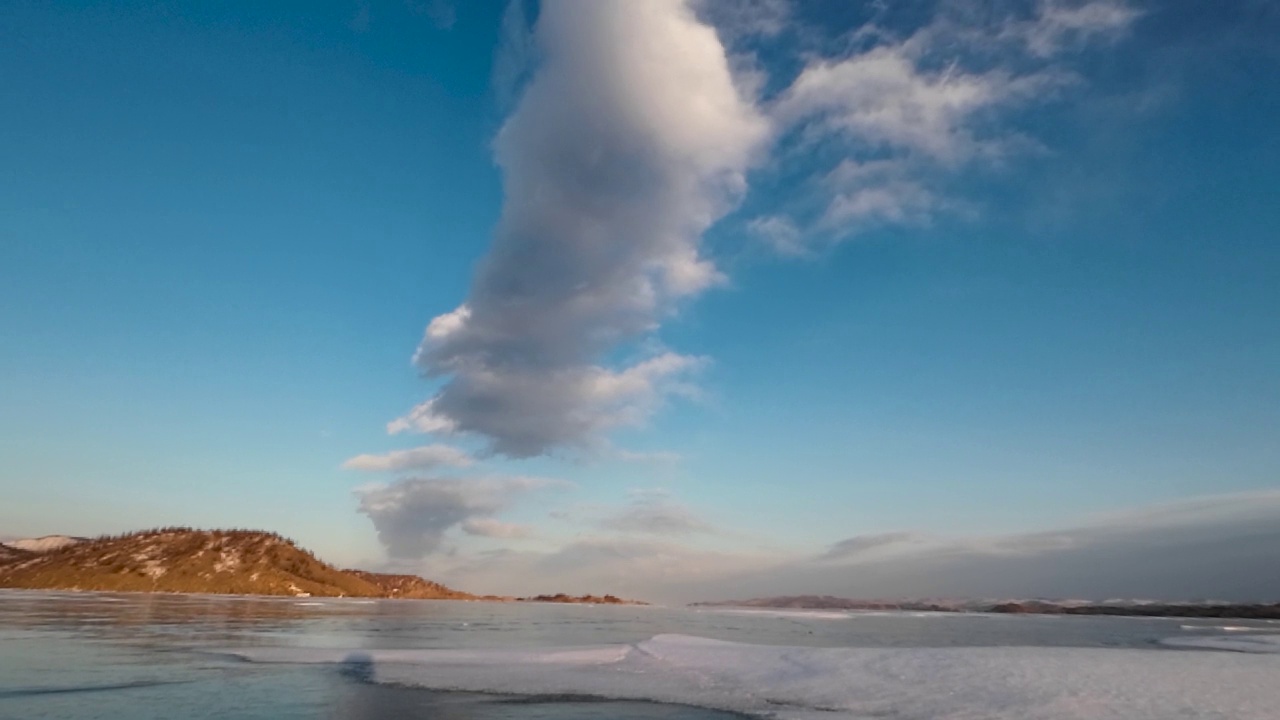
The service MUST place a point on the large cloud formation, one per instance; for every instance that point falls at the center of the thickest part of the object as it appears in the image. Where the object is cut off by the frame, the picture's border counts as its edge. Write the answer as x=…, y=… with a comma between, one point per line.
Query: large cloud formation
x=634, y=135
x=629, y=141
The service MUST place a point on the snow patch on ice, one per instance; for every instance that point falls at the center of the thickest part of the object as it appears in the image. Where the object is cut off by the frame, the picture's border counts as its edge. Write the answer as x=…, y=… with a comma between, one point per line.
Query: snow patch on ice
x=794, y=683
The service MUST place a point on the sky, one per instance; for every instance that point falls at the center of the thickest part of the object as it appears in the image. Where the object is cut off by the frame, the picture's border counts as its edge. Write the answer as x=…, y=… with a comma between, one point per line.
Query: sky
x=677, y=299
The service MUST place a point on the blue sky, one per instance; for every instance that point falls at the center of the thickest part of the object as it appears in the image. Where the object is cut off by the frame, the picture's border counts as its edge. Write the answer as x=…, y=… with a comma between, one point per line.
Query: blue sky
x=741, y=281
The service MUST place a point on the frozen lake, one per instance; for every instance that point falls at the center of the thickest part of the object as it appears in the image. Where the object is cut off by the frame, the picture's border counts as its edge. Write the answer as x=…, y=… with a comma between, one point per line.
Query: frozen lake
x=79, y=656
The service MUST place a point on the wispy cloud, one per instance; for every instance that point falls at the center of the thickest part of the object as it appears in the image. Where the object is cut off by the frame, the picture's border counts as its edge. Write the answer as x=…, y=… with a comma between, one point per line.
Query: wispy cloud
x=412, y=515
x=1062, y=24
x=656, y=513
x=637, y=567
x=420, y=458
x=739, y=19
x=862, y=544
x=1212, y=547
x=902, y=110
x=780, y=233
x=495, y=528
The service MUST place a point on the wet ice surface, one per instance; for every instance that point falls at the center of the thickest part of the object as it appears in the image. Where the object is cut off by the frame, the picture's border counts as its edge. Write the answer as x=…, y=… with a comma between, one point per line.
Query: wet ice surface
x=80, y=656
x=1265, y=644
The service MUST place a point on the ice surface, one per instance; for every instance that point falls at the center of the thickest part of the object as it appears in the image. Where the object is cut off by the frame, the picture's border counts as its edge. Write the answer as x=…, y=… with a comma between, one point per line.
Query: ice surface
x=1225, y=628
x=1261, y=644
x=805, y=683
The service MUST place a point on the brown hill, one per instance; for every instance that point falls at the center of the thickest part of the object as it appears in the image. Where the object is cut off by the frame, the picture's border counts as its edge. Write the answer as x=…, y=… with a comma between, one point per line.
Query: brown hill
x=239, y=562
x=410, y=587
x=581, y=599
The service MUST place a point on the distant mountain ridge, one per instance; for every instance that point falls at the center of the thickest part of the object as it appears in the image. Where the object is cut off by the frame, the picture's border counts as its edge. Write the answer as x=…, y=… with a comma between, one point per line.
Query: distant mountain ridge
x=1144, y=608
x=829, y=602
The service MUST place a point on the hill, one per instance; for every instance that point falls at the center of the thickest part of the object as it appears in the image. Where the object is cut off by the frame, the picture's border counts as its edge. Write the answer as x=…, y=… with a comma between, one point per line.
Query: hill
x=411, y=587
x=240, y=562
x=580, y=599
x=9, y=554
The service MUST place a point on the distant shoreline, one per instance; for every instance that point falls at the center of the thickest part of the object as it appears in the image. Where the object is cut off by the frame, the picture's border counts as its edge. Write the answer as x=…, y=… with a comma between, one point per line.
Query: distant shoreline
x=501, y=600
x=1233, y=611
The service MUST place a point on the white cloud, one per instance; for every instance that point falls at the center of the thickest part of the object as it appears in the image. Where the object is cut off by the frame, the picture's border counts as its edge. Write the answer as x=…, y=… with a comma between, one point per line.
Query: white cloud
x=882, y=100
x=629, y=140
x=525, y=412
x=427, y=456
x=412, y=515
x=422, y=418
x=450, y=323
